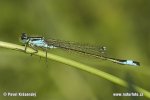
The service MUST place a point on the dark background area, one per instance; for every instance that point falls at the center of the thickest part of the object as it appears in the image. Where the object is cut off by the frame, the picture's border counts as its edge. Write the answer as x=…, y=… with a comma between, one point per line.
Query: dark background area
x=120, y=25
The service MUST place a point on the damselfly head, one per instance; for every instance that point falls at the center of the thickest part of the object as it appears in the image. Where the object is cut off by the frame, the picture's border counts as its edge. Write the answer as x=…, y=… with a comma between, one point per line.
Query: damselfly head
x=24, y=36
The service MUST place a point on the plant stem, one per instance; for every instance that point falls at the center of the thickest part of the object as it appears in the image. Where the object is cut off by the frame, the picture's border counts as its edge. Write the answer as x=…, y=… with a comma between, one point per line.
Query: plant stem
x=78, y=65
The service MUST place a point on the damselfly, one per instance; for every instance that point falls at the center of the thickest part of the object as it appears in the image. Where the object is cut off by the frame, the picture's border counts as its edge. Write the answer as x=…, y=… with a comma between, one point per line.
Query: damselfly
x=96, y=51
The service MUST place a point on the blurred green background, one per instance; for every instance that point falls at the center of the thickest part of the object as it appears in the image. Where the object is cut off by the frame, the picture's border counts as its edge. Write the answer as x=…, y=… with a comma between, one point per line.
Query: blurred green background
x=123, y=26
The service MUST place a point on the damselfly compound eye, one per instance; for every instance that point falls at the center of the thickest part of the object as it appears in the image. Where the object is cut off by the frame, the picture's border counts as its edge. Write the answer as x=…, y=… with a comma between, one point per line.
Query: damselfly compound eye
x=23, y=36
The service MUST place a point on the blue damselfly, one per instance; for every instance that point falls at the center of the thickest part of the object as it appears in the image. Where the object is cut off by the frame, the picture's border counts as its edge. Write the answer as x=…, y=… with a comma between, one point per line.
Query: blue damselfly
x=95, y=51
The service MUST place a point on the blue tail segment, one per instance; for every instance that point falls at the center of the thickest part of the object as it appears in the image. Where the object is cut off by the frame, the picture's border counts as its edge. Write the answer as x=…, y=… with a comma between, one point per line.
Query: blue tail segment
x=128, y=62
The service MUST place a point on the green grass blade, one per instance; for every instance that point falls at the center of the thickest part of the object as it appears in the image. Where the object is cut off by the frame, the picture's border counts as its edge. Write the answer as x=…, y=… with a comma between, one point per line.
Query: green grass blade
x=78, y=65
